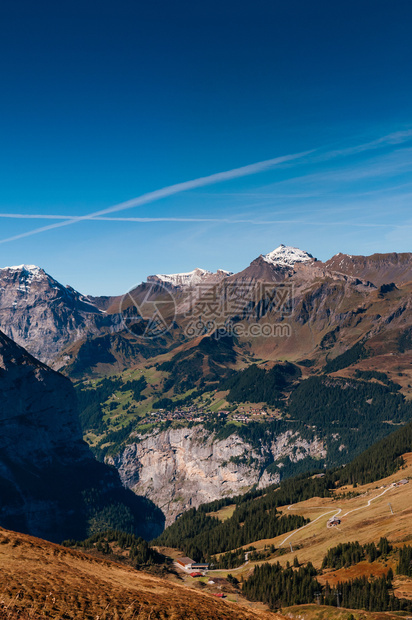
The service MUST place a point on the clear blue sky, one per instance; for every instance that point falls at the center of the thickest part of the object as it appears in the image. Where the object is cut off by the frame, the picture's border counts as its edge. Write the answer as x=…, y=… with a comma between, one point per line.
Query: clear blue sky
x=105, y=101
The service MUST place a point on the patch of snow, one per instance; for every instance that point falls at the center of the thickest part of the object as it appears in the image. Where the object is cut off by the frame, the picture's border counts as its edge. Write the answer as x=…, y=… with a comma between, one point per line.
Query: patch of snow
x=26, y=274
x=189, y=278
x=32, y=270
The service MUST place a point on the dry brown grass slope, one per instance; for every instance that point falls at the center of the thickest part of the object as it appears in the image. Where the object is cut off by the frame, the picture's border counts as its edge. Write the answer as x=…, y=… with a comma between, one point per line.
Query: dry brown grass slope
x=321, y=612
x=364, y=518
x=39, y=579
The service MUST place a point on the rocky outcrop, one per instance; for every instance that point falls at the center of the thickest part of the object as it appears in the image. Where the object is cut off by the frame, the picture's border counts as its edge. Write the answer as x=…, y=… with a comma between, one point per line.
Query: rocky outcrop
x=182, y=468
x=50, y=484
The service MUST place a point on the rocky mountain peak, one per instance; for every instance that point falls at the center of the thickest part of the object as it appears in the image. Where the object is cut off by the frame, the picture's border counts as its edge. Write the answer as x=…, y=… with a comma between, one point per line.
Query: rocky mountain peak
x=24, y=274
x=33, y=269
x=287, y=256
x=41, y=314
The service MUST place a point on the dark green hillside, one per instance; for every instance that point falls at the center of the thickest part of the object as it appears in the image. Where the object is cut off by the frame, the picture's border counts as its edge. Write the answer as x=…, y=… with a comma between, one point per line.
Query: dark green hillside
x=90, y=402
x=257, y=385
x=347, y=554
x=405, y=561
x=380, y=460
x=254, y=518
x=334, y=402
x=250, y=522
x=207, y=363
x=362, y=593
x=120, y=546
x=349, y=357
x=353, y=414
x=282, y=587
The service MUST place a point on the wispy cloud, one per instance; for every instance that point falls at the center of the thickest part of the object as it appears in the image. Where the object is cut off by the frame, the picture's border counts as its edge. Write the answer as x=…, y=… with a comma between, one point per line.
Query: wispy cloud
x=391, y=139
x=215, y=220
x=308, y=157
x=170, y=191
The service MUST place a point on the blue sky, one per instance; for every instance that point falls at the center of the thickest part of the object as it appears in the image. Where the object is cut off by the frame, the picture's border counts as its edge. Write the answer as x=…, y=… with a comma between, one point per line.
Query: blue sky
x=105, y=102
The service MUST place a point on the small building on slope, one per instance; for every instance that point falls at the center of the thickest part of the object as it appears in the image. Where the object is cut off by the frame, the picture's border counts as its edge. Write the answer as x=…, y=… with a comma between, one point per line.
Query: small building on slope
x=333, y=522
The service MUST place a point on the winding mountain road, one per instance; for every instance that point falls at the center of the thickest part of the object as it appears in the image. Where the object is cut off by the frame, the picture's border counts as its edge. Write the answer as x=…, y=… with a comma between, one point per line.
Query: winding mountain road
x=337, y=511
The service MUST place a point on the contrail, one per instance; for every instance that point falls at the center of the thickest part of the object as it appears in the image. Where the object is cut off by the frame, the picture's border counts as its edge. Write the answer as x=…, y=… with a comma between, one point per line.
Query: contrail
x=395, y=138
x=216, y=220
x=169, y=191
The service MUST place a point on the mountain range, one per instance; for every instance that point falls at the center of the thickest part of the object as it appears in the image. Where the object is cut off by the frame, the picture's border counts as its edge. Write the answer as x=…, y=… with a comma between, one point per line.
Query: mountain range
x=81, y=334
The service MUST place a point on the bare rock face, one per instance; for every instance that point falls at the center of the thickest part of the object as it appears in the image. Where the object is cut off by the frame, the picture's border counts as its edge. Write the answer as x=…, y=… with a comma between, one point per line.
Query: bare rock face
x=378, y=268
x=182, y=468
x=50, y=484
x=40, y=314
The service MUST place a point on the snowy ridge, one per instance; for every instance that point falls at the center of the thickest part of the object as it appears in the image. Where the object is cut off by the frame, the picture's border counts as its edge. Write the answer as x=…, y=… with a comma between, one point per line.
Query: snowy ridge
x=30, y=270
x=287, y=256
x=23, y=276
x=190, y=278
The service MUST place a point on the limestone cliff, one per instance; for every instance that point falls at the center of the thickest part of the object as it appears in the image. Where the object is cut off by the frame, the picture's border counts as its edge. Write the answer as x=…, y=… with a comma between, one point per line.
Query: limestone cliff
x=182, y=468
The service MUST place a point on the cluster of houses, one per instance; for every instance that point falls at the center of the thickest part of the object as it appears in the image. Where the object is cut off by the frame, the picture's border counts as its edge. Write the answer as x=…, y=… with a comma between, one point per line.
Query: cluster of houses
x=248, y=416
x=192, y=413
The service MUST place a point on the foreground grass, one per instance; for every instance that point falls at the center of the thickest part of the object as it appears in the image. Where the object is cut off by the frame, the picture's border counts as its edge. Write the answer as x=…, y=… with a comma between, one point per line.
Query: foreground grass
x=43, y=580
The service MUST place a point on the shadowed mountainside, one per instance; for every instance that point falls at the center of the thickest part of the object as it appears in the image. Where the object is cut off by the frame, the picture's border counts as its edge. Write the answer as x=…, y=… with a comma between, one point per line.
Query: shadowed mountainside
x=51, y=485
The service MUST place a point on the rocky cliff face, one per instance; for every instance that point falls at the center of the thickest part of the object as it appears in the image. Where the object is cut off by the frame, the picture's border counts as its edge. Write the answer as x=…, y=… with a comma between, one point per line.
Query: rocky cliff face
x=378, y=268
x=182, y=468
x=40, y=314
x=50, y=484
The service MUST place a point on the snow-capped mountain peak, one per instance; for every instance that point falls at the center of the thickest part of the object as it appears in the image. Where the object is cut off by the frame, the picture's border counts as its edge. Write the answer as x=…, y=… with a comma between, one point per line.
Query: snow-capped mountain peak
x=29, y=269
x=23, y=275
x=190, y=278
x=287, y=256
x=20, y=278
